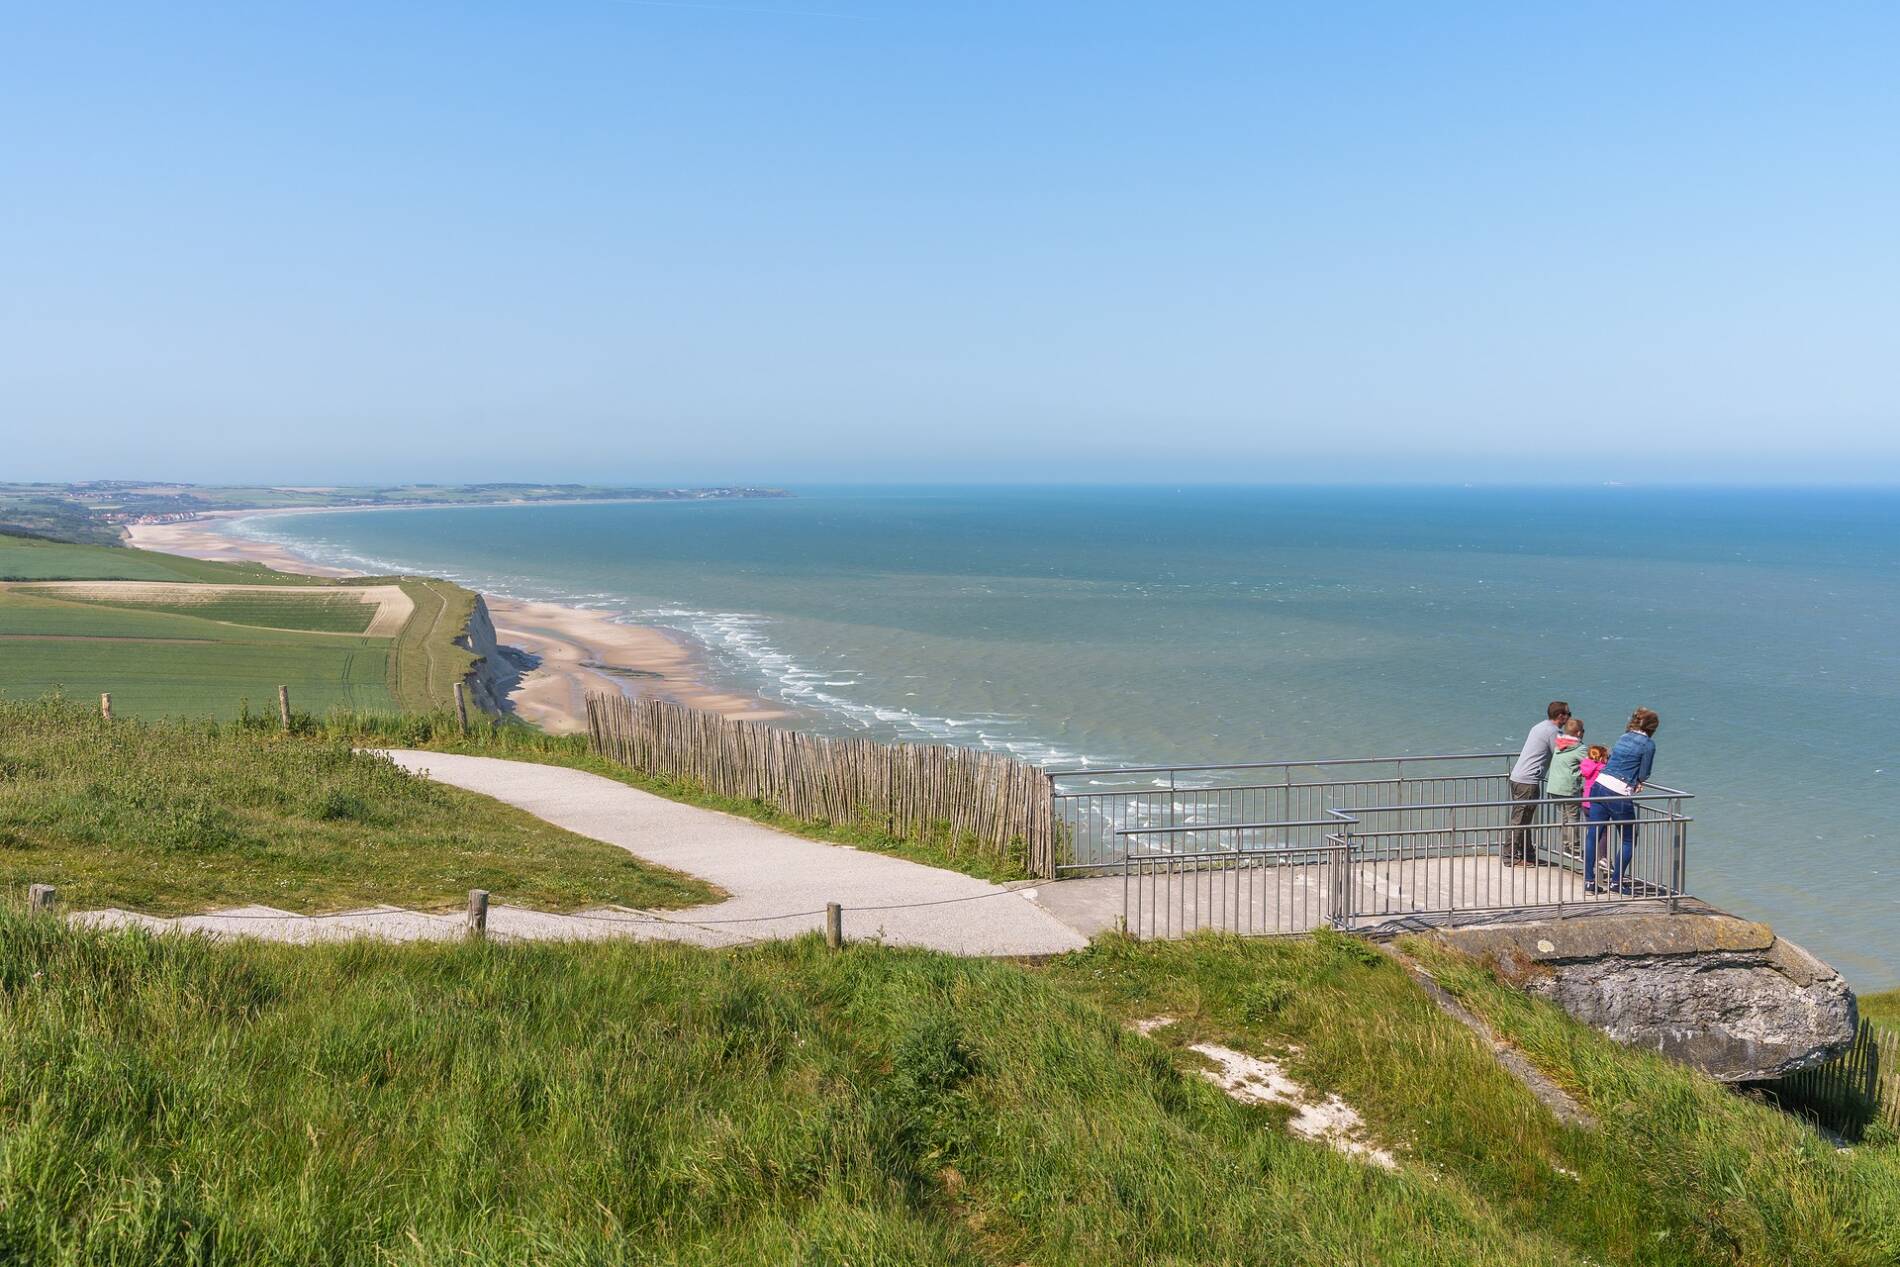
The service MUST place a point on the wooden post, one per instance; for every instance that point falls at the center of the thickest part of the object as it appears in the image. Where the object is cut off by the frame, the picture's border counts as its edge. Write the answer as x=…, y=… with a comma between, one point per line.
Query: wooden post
x=834, y=925
x=478, y=913
x=461, y=708
x=105, y=705
x=283, y=705
x=40, y=899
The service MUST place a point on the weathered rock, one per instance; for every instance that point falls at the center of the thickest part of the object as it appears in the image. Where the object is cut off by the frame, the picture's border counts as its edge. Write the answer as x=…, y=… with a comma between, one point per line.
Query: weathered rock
x=1722, y=994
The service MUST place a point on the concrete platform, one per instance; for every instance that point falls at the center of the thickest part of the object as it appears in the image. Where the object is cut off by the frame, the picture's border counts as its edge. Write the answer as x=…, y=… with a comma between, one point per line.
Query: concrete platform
x=1296, y=898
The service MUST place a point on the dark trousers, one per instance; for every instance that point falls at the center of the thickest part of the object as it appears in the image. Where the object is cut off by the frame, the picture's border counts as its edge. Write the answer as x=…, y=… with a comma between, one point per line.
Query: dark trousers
x=1517, y=841
x=1605, y=810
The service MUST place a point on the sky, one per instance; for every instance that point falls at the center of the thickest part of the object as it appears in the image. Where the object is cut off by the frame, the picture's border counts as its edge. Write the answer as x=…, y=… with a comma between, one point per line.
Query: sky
x=858, y=240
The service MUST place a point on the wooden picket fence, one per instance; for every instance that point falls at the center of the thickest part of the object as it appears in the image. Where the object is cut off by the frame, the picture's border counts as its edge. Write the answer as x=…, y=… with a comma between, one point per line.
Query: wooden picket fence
x=1856, y=1088
x=960, y=798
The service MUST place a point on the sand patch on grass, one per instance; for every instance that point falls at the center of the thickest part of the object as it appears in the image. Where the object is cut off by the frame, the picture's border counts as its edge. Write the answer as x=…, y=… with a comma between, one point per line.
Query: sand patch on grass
x=1325, y=1119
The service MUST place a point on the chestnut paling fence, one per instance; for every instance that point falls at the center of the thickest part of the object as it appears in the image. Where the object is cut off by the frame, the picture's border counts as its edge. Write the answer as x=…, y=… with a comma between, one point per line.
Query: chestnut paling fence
x=965, y=800
x=1852, y=1091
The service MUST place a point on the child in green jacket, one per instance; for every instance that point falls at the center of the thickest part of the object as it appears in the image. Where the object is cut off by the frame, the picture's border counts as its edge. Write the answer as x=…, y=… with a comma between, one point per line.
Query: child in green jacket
x=1565, y=784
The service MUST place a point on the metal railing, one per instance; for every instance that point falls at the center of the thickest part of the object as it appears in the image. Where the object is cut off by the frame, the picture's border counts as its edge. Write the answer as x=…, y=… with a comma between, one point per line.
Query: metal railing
x=1096, y=808
x=1369, y=865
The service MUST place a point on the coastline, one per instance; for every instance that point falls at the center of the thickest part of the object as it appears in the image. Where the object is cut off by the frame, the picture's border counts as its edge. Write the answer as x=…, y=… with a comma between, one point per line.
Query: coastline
x=568, y=651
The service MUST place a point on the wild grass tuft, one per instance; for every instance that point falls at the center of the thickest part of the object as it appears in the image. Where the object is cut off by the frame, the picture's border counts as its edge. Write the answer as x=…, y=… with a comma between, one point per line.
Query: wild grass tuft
x=168, y=817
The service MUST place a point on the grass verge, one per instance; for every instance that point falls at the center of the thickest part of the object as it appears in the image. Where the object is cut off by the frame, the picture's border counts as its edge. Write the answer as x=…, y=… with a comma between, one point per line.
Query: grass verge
x=170, y=817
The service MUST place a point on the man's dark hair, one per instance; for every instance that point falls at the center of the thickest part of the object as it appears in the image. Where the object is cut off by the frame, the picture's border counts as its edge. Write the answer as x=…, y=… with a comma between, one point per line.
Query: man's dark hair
x=1557, y=709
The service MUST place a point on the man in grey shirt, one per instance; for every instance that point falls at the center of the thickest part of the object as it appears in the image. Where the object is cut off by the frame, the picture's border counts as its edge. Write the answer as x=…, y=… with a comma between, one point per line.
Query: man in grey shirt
x=1527, y=779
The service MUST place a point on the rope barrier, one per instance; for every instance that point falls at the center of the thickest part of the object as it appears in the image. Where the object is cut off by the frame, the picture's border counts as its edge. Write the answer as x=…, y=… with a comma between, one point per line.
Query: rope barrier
x=628, y=917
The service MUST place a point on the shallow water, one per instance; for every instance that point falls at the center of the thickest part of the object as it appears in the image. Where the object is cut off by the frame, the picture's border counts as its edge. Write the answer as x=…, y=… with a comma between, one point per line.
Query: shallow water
x=1150, y=625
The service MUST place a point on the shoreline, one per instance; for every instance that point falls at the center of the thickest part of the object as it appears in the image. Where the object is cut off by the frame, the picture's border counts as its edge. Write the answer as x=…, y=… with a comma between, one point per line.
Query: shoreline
x=570, y=650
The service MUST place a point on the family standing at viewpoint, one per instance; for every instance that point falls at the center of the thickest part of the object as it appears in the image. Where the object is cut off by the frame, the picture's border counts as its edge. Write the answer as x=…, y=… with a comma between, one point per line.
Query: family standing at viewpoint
x=1592, y=786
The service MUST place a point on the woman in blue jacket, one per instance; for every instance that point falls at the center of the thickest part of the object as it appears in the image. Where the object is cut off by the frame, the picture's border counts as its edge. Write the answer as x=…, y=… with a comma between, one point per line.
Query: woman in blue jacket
x=1622, y=776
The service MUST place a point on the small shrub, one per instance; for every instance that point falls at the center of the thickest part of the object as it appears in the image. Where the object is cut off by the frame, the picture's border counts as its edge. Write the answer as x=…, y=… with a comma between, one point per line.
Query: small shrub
x=336, y=804
x=1261, y=1001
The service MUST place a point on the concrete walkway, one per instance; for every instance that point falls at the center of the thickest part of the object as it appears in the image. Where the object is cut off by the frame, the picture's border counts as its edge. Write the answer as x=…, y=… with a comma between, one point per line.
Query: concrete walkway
x=778, y=883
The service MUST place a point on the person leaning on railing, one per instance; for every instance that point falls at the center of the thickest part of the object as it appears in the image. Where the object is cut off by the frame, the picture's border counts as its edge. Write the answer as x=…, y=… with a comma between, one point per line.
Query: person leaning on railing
x=1622, y=776
x=1527, y=779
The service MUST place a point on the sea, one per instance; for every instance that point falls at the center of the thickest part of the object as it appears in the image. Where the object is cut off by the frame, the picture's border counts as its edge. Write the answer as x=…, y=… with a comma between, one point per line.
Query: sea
x=1151, y=625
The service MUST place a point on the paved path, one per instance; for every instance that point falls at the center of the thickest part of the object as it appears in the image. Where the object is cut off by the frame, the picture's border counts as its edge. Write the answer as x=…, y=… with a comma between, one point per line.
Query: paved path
x=778, y=883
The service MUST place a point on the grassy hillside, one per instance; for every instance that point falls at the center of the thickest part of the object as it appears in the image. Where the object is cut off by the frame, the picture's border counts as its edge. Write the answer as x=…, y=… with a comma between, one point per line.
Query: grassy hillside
x=29, y=559
x=170, y=817
x=424, y=665
x=182, y=1101
x=193, y=656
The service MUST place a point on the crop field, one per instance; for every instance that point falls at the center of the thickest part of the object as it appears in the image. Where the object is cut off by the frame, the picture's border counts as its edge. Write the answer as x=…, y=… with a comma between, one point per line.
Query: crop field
x=171, y=636
x=160, y=663
x=29, y=559
x=377, y=610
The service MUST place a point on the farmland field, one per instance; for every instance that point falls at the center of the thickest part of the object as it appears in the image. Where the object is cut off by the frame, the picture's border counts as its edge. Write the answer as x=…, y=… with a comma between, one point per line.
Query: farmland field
x=317, y=609
x=158, y=663
x=189, y=647
x=29, y=559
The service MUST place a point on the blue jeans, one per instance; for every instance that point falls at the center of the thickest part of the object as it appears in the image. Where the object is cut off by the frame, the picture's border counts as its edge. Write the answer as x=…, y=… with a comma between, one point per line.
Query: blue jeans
x=1603, y=811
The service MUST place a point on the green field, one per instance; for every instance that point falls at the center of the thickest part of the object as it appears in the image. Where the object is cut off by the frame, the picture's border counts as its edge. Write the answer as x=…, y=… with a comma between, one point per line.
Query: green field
x=159, y=663
x=193, y=657
x=169, y=817
x=315, y=613
x=27, y=559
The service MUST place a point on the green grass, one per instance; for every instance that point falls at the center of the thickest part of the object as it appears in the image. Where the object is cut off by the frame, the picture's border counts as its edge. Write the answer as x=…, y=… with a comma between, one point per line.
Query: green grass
x=29, y=559
x=1678, y=1170
x=182, y=1101
x=207, y=659
x=488, y=737
x=425, y=663
x=1882, y=1009
x=171, y=817
x=310, y=610
x=162, y=664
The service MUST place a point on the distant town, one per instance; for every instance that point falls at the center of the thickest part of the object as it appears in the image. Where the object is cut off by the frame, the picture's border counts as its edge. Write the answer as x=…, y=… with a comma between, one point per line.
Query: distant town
x=95, y=510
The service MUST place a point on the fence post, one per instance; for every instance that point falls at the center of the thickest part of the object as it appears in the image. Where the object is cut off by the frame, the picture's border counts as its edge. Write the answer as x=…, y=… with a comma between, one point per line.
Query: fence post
x=283, y=705
x=1679, y=847
x=478, y=914
x=461, y=708
x=105, y=705
x=834, y=926
x=40, y=899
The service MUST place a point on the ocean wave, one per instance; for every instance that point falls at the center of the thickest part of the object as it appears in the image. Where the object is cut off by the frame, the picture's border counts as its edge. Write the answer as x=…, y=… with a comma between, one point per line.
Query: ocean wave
x=736, y=642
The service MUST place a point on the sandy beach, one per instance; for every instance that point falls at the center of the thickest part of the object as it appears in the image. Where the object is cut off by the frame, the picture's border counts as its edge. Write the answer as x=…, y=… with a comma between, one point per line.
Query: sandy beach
x=572, y=650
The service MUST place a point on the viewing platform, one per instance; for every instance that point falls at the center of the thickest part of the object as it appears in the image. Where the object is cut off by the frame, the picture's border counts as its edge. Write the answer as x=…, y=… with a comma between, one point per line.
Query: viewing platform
x=1272, y=848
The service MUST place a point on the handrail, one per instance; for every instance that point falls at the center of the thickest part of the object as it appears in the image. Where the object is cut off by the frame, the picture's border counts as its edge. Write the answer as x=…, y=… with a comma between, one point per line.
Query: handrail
x=1337, y=816
x=1275, y=765
x=1228, y=854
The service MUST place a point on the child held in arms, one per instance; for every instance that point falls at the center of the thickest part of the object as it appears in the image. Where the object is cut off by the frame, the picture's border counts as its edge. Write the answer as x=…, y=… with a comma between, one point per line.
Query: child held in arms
x=1565, y=784
x=1587, y=770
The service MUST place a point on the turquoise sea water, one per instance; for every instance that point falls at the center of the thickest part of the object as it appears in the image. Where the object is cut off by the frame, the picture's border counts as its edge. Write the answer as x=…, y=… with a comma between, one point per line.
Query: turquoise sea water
x=1148, y=625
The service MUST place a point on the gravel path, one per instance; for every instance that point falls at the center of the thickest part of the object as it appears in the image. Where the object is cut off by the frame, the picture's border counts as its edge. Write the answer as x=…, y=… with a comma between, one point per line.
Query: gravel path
x=779, y=884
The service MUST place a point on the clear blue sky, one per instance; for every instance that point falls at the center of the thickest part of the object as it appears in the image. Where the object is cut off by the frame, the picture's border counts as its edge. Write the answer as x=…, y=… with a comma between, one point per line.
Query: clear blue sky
x=857, y=239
